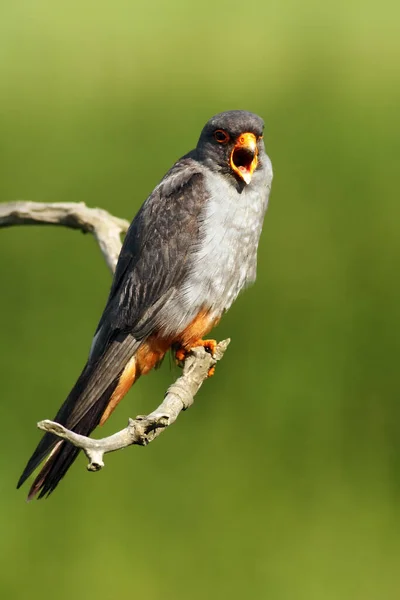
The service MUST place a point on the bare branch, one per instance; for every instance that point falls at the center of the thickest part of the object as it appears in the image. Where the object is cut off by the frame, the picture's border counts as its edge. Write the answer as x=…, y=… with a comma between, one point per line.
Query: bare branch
x=106, y=228
x=144, y=429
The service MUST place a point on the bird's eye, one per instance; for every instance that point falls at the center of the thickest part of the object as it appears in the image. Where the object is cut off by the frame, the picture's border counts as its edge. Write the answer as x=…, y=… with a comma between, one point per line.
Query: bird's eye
x=221, y=136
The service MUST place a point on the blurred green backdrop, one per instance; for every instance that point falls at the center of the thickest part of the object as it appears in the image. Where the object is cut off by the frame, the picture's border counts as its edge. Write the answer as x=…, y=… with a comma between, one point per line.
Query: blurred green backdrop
x=283, y=481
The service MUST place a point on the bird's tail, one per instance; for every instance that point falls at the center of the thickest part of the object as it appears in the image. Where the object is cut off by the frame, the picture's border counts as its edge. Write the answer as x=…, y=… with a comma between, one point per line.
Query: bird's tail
x=62, y=453
x=81, y=412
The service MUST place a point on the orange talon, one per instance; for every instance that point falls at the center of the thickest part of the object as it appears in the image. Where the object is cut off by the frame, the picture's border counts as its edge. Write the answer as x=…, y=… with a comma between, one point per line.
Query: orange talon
x=180, y=355
x=209, y=345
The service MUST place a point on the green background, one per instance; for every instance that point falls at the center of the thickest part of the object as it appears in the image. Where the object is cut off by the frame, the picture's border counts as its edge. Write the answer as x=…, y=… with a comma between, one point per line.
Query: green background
x=283, y=480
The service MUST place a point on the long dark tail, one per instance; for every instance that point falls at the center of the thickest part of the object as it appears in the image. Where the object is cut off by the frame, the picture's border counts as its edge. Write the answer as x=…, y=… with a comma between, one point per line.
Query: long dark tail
x=62, y=453
x=81, y=412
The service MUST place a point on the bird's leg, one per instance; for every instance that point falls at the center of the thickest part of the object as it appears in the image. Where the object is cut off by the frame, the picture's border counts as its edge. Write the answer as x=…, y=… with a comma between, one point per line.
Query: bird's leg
x=180, y=355
x=208, y=345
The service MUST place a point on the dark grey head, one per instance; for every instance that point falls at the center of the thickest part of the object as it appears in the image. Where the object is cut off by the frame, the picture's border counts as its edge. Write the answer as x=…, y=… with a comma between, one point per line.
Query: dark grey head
x=231, y=143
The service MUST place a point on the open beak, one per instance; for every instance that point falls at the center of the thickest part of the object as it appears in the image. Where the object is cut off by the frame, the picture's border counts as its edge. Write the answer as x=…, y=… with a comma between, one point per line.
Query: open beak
x=243, y=159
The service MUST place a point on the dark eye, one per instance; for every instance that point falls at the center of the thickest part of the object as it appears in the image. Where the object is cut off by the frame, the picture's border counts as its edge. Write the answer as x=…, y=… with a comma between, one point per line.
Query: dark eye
x=221, y=136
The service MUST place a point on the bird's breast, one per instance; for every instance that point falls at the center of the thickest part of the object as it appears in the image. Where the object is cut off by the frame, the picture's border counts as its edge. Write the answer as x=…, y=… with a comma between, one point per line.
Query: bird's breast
x=226, y=258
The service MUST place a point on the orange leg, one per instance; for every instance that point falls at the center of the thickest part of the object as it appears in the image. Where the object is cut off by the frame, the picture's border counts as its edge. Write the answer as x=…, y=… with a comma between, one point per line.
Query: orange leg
x=192, y=337
x=180, y=355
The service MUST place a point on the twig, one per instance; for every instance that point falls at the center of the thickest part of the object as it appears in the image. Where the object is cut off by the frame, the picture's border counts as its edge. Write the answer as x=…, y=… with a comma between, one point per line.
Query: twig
x=106, y=228
x=144, y=429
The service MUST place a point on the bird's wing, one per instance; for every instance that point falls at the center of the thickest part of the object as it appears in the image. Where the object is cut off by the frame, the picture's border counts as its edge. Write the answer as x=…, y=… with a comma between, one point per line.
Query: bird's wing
x=154, y=258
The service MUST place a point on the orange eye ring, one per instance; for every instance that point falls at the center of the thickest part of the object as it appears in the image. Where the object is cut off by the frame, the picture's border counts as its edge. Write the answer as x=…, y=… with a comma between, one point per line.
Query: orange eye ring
x=221, y=136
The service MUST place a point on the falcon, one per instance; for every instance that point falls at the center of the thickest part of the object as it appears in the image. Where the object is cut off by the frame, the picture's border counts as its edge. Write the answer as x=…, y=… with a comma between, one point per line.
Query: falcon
x=188, y=253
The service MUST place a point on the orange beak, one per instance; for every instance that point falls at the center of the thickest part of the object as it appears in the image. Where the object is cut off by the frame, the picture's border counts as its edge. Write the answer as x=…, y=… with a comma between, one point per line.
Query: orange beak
x=243, y=159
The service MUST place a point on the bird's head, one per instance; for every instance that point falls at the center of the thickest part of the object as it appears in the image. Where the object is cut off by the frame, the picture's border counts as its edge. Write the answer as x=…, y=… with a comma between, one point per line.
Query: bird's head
x=231, y=143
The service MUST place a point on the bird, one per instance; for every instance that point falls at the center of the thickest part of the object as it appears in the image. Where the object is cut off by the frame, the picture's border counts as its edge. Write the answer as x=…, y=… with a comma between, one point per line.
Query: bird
x=189, y=251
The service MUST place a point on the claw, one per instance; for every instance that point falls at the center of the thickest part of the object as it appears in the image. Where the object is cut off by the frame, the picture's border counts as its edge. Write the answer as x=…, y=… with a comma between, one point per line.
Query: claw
x=209, y=345
x=180, y=355
x=211, y=371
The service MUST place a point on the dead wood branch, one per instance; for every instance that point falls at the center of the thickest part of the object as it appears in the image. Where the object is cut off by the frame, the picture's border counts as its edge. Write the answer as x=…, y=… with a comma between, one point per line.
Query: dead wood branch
x=106, y=228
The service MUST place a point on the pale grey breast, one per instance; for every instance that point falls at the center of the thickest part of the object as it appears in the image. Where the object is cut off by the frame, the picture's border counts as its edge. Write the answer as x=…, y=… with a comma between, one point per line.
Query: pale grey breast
x=226, y=259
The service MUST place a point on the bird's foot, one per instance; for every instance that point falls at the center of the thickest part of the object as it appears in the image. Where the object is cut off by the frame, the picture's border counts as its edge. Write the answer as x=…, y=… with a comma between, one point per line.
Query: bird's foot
x=180, y=356
x=209, y=346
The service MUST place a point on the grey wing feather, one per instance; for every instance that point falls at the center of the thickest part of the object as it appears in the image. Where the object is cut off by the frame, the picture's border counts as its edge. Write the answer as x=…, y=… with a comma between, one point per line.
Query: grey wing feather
x=155, y=256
